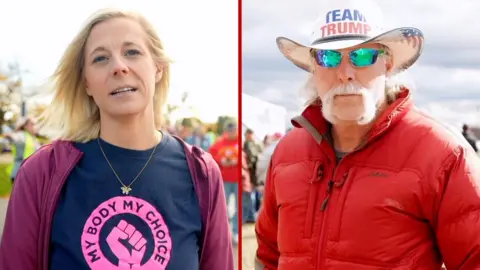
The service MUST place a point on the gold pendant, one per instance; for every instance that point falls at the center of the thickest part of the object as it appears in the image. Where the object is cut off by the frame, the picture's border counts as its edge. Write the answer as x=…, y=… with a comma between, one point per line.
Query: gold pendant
x=126, y=190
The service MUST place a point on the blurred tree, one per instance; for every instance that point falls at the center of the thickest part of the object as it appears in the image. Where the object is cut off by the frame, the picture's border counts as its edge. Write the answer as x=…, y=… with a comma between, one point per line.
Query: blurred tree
x=191, y=122
x=6, y=92
x=10, y=90
x=212, y=126
x=16, y=73
x=187, y=122
x=197, y=121
x=180, y=109
x=171, y=108
x=168, y=114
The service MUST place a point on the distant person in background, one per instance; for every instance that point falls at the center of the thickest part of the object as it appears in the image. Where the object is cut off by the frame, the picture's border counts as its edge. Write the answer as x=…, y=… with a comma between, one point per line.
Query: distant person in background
x=199, y=139
x=171, y=130
x=24, y=143
x=226, y=153
x=266, y=141
x=247, y=207
x=262, y=168
x=211, y=136
x=470, y=137
x=184, y=132
x=264, y=158
x=252, y=149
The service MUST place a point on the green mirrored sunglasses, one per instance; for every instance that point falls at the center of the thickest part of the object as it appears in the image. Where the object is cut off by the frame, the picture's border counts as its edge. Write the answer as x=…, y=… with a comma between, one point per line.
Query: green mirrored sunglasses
x=362, y=57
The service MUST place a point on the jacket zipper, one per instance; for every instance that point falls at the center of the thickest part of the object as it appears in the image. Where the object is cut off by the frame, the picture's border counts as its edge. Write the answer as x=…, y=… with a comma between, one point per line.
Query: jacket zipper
x=323, y=238
x=331, y=185
x=329, y=191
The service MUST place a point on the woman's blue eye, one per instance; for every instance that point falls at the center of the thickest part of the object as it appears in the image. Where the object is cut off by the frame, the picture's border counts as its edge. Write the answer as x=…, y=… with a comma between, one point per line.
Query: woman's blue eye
x=132, y=52
x=127, y=53
x=99, y=58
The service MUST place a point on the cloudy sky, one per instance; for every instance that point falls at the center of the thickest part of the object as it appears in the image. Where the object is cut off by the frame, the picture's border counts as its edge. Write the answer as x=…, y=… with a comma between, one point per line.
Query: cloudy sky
x=447, y=76
x=203, y=43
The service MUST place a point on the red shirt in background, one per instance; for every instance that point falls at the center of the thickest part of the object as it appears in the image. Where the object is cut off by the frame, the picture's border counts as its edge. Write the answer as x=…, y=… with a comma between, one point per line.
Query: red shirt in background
x=226, y=154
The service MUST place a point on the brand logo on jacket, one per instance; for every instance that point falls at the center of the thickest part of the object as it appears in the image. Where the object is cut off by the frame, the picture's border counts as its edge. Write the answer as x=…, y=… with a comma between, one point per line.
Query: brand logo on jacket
x=126, y=233
x=378, y=174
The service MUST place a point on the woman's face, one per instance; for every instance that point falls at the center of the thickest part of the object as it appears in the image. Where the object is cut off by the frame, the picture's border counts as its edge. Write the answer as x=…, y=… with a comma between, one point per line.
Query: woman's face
x=120, y=72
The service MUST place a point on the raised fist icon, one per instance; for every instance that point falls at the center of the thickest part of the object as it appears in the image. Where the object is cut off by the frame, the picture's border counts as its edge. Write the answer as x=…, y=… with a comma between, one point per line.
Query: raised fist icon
x=127, y=259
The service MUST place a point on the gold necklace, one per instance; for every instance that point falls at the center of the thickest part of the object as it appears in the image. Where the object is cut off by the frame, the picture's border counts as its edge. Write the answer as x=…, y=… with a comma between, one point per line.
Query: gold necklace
x=126, y=189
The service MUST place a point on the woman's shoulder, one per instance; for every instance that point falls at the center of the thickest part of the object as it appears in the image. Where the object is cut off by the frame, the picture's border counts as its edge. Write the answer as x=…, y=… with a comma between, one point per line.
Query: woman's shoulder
x=58, y=154
x=200, y=162
x=47, y=166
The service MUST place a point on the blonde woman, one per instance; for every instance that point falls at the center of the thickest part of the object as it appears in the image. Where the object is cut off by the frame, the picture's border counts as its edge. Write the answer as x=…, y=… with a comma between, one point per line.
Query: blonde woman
x=113, y=192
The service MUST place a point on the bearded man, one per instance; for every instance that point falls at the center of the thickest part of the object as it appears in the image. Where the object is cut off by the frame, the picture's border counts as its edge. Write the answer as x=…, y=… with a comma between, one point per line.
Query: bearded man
x=366, y=180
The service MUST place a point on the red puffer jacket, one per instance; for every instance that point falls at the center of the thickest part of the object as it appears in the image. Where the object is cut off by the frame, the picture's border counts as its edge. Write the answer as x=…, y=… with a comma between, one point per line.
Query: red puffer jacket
x=407, y=198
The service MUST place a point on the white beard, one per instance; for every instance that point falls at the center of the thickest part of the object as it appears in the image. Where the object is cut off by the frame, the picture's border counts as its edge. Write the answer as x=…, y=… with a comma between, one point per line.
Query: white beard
x=372, y=99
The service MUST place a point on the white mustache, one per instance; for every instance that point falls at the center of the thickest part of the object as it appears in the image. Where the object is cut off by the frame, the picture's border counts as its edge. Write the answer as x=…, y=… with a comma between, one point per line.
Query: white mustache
x=345, y=89
x=348, y=89
x=352, y=88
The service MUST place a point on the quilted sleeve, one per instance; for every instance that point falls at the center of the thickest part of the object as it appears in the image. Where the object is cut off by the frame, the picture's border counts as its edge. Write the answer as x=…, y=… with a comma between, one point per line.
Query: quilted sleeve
x=266, y=228
x=457, y=223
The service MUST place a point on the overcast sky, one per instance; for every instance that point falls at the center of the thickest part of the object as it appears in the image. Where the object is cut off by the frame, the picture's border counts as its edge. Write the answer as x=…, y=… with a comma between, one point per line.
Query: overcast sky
x=202, y=42
x=447, y=76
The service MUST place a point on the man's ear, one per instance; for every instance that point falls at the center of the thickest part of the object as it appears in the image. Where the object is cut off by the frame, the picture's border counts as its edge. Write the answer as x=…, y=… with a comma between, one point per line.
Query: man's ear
x=159, y=73
x=388, y=65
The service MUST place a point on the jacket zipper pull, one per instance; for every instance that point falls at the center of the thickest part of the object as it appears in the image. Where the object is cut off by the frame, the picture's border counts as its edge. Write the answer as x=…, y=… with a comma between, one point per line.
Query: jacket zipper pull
x=329, y=190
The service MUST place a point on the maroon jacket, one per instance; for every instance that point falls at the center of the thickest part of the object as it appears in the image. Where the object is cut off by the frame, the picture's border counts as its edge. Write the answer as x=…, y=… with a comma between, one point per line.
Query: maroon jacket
x=26, y=236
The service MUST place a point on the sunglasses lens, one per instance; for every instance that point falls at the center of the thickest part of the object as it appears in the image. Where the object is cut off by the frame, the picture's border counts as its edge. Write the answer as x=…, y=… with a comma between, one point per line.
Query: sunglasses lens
x=328, y=58
x=364, y=57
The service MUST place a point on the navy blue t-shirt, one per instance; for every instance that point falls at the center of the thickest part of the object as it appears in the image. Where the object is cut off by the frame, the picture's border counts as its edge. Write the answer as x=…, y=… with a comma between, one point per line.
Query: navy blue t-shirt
x=156, y=226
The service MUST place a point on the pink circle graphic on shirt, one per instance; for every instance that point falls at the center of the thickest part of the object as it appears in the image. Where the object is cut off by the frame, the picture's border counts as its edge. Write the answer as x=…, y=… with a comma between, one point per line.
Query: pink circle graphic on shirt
x=128, y=258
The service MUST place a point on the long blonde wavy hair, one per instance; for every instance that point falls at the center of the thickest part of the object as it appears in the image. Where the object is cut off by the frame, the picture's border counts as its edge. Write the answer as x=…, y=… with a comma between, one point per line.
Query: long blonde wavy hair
x=72, y=114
